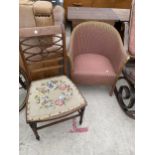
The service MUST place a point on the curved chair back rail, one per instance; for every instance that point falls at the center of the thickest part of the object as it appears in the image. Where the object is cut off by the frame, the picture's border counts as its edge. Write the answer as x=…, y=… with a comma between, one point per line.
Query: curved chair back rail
x=39, y=14
x=39, y=55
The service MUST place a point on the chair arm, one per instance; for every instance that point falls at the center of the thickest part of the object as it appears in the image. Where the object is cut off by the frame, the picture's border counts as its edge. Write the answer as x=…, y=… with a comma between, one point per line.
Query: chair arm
x=58, y=13
x=70, y=58
x=126, y=36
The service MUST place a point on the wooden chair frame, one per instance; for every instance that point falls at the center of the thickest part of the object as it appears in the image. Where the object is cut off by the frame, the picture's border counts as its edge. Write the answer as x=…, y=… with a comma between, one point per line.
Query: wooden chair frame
x=57, y=55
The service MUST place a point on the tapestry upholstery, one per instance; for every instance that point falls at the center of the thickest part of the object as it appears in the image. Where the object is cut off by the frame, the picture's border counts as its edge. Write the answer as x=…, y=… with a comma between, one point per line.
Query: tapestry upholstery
x=53, y=97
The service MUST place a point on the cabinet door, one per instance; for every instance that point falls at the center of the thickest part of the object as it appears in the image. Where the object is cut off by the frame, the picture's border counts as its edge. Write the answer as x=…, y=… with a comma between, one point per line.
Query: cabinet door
x=112, y=3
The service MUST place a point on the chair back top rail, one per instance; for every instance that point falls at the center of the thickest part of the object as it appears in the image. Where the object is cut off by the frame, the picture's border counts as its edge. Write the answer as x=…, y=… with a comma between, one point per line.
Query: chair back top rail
x=40, y=31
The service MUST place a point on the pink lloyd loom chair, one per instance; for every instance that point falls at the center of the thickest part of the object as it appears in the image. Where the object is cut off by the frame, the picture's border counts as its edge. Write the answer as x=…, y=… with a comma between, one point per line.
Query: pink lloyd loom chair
x=97, y=54
x=54, y=99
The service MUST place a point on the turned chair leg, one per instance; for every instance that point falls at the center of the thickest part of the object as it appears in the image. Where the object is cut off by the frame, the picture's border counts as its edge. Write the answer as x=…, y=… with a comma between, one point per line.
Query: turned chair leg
x=81, y=115
x=34, y=128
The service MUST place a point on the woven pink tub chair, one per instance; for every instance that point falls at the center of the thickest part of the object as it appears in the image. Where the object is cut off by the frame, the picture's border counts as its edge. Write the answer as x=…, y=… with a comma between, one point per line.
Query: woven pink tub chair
x=97, y=54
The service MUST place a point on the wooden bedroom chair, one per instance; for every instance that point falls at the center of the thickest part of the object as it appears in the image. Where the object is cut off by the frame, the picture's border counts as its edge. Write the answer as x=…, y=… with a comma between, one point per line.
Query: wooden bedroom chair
x=54, y=99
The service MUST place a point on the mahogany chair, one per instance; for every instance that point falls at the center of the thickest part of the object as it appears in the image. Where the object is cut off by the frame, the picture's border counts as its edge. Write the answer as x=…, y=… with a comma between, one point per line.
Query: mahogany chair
x=97, y=54
x=54, y=99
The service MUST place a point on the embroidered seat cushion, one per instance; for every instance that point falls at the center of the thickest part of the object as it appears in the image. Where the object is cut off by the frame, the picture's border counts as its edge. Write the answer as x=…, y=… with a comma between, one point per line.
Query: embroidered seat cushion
x=52, y=98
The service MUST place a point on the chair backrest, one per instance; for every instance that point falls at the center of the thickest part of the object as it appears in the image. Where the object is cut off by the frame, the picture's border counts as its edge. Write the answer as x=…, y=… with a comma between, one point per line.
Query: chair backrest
x=99, y=38
x=34, y=14
x=132, y=30
x=40, y=57
x=39, y=13
x=95, y=37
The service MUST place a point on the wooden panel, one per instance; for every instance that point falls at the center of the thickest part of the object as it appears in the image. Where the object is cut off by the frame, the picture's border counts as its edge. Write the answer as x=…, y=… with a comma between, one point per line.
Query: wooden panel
x=112, y=3
x=123, y=4
x=126, y=4
x=82, y=3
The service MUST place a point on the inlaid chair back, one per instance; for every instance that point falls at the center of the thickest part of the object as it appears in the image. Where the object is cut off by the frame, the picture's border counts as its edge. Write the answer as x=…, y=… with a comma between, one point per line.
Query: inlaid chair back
x=42, y=57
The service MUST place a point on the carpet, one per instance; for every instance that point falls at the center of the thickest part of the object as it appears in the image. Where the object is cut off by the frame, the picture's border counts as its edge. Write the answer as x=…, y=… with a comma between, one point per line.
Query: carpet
x=106, y=130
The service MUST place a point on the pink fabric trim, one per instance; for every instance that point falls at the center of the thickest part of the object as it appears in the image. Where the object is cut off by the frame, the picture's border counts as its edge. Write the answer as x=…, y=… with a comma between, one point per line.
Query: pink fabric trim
x=76, y=129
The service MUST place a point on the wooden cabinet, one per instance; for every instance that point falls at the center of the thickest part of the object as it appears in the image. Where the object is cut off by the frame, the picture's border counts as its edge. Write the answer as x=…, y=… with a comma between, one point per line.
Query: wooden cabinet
x=112, y=3
x=126, y=4
x=86, y=3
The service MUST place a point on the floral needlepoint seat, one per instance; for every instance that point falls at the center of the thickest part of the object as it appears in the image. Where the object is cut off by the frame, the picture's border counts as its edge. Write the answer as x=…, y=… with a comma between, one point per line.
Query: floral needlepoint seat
x=53, y=97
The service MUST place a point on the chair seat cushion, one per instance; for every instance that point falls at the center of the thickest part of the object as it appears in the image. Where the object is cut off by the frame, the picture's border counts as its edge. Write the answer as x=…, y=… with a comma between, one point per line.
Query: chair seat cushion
x=52, y=98
x=93, y=69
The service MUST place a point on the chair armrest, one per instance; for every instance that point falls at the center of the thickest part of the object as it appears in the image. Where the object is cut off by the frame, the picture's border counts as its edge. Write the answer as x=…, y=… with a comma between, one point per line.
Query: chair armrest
x=126, y=36
x=70, y=58
x=58, y=13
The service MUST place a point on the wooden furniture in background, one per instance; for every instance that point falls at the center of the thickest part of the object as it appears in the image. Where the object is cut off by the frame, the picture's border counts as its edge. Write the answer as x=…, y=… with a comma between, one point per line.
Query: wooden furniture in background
x=80, y=14
x=125, y=4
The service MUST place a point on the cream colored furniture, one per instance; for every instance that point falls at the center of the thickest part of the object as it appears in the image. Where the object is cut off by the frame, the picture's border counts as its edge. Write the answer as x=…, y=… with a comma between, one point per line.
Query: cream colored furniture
x=38, y=14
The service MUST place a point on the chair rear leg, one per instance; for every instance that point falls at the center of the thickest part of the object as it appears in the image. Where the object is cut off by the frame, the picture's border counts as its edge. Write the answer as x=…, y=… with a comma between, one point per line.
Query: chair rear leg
x=34, y=128
x=81, y=115
x=111, y=90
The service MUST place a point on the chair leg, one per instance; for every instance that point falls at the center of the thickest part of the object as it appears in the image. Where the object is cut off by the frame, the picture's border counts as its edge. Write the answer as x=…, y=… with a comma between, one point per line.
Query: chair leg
x=81, y=115
x=113, y=87
x=34, y=128
x=111, y=91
